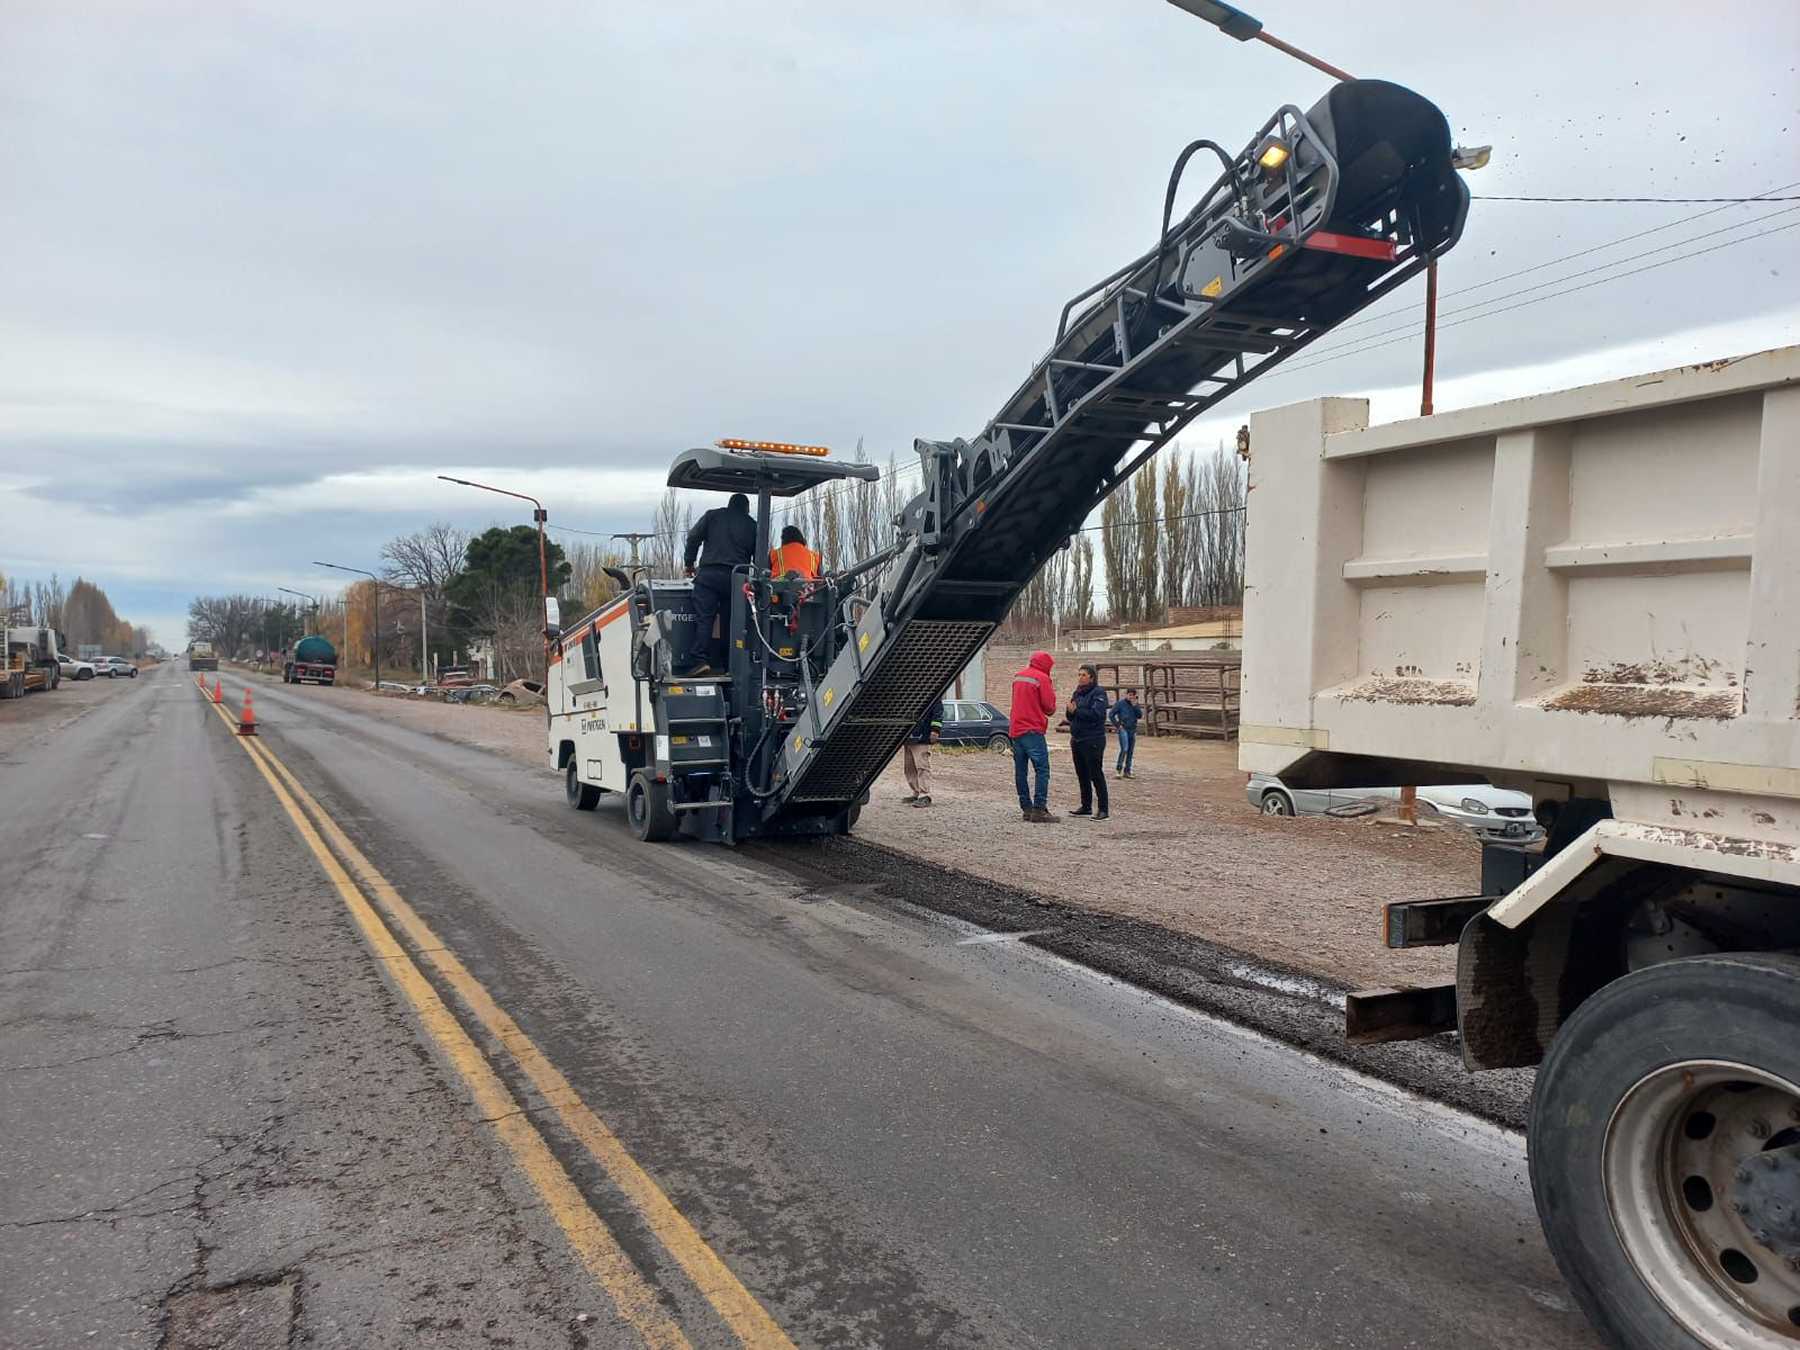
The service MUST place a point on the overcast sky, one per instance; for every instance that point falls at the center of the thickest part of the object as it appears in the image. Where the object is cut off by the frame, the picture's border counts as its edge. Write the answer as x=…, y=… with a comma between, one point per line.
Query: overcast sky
x=269, y=267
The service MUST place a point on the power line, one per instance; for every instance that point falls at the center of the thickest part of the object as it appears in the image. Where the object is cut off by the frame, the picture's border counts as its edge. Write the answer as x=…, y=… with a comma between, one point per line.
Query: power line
x=1657, y=201
x=1412, y=325
x=1160, y=520
x=1677, y=223
x=570, y=529
x=1554, y=295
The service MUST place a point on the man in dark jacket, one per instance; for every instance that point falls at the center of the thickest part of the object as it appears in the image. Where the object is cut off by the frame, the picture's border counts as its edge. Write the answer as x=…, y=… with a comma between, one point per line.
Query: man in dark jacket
x=1033, y=700
x=1125, y=717
x=723, y=538
x=918, y=755
x=1087, y=741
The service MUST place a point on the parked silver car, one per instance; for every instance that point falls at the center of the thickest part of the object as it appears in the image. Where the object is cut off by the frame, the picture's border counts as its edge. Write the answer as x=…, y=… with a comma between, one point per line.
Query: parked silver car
x=115, y=666
x=1493, y=815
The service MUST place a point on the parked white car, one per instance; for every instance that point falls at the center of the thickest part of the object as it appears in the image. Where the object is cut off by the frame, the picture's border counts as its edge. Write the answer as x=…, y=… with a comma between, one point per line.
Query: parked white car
x=115, y=666
x=75, y=670
x=1494, y=815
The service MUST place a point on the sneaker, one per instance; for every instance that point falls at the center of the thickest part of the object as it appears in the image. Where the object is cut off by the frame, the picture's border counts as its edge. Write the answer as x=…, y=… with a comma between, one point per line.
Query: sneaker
x=1082, y=811
x=924, y=799
x=1103, y=815
x=1043, y=817
x=909, y=800
x=1029, y=813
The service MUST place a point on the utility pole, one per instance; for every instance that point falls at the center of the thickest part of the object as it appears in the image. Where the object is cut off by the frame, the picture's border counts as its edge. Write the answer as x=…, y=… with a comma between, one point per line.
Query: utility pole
x=635, y=537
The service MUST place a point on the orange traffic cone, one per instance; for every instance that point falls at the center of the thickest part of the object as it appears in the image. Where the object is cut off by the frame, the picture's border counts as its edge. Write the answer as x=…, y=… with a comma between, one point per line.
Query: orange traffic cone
x=247, y=717
x=218, y=690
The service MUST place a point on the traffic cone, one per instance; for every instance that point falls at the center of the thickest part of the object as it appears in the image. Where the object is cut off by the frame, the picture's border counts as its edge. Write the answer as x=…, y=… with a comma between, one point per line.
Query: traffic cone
x=218, y=690
x=247, y=718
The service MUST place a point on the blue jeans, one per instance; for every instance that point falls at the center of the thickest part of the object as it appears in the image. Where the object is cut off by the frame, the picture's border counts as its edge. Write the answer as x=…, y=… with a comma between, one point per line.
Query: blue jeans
x=1030, y=747
x=1127, y=746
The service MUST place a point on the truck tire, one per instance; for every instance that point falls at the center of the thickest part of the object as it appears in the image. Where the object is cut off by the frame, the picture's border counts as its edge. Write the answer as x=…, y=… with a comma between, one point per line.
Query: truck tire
x=647, y=808
x=582, y=796
x=1665, y=1154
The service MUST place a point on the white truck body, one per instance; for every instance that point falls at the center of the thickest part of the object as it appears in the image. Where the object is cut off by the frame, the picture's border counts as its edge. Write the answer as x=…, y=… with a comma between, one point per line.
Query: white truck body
x=593, y=698
x=1592, y=593
x=607, y=726
x=1592, y=596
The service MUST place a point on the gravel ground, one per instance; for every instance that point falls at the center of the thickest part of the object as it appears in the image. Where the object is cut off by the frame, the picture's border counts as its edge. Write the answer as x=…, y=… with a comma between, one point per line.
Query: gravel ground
x=1184, y=849
x=46, y=710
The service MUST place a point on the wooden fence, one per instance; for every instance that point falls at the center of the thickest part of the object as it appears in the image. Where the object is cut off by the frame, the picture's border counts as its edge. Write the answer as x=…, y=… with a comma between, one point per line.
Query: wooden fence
x=1190, y=695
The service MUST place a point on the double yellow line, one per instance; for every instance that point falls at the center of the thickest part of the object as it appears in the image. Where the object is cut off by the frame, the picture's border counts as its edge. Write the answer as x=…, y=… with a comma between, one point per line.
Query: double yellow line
x=369, y=897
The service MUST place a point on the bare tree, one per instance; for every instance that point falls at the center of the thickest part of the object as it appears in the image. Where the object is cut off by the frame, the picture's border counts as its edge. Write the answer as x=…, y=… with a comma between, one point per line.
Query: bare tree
x=588, y=581
x=428, y=559
x=1147, y=529
x=515, y=626
x=1217, y=548
x=1081, y=585
x=1176, y=526
x=671, y=524
x=1116, y=549
x=862, y=512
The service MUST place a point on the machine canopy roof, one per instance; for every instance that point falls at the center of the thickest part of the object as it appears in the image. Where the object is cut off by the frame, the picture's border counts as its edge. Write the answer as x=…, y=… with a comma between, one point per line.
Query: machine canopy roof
x=710, y=469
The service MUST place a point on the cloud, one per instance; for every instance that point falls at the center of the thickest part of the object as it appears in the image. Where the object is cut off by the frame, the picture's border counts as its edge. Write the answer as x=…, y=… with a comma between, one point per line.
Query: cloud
x=285, y=265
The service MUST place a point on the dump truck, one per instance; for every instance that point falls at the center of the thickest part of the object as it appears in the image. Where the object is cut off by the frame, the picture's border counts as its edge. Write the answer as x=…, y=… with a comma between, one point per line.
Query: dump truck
x=1592, y=596
x=313, y=660
x=201, y=656
x=1315, y=217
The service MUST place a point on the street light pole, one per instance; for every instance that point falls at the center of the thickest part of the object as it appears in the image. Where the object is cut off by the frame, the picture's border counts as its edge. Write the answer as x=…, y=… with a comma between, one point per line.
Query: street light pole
x=1235, y=23
x=317, y=608
x=538, y=515
x=376, y=644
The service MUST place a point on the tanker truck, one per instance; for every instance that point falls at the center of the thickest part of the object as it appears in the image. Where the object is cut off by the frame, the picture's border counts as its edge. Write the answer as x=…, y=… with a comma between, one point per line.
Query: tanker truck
x=1592, y=596
x=312, y=661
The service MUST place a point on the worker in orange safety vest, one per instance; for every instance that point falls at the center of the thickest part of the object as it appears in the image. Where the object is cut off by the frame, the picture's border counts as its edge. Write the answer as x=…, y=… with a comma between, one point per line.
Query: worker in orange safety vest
x=793, y=558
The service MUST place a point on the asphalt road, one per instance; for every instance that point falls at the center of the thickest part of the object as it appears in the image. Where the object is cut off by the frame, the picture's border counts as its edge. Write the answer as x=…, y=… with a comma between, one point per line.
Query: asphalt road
x=893, y=1129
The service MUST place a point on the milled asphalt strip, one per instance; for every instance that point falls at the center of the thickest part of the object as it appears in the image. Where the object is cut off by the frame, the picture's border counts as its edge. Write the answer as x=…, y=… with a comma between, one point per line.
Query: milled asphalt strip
x=734, y=1303
x=593, y=1242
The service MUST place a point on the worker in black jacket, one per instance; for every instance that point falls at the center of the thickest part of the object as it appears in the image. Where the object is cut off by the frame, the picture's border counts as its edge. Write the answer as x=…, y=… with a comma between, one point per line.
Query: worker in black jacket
x=1087, y=741
x=723, y=538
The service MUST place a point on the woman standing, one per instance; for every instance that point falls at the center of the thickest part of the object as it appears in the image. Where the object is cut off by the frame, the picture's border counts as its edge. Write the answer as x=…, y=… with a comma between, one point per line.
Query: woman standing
x=1087, y=741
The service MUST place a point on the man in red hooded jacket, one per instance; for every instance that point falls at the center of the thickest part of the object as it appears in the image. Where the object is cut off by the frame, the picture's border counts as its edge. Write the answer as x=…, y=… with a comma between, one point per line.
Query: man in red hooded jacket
x=1033, y=702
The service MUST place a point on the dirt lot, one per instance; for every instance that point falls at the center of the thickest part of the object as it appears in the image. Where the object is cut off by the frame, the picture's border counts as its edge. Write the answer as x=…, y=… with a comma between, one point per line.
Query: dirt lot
x=44, y=710
x=1183, y=849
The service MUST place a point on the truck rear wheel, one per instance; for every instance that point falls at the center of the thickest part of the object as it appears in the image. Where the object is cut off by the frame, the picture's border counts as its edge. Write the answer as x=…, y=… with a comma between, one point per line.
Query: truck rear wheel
x=582, y=796
x=647, y=808
x=1665, y=1154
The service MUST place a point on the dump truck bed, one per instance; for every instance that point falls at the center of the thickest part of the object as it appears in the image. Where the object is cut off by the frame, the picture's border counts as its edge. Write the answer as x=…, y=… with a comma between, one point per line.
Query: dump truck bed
x=1595, y=590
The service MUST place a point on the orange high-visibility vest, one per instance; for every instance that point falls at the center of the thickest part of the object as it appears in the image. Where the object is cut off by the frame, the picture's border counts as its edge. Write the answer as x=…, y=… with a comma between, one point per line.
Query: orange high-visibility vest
x=794, y=558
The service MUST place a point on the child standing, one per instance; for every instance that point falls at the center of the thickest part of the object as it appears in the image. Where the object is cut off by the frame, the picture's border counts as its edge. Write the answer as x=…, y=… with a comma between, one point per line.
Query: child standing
x=1125, y=715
